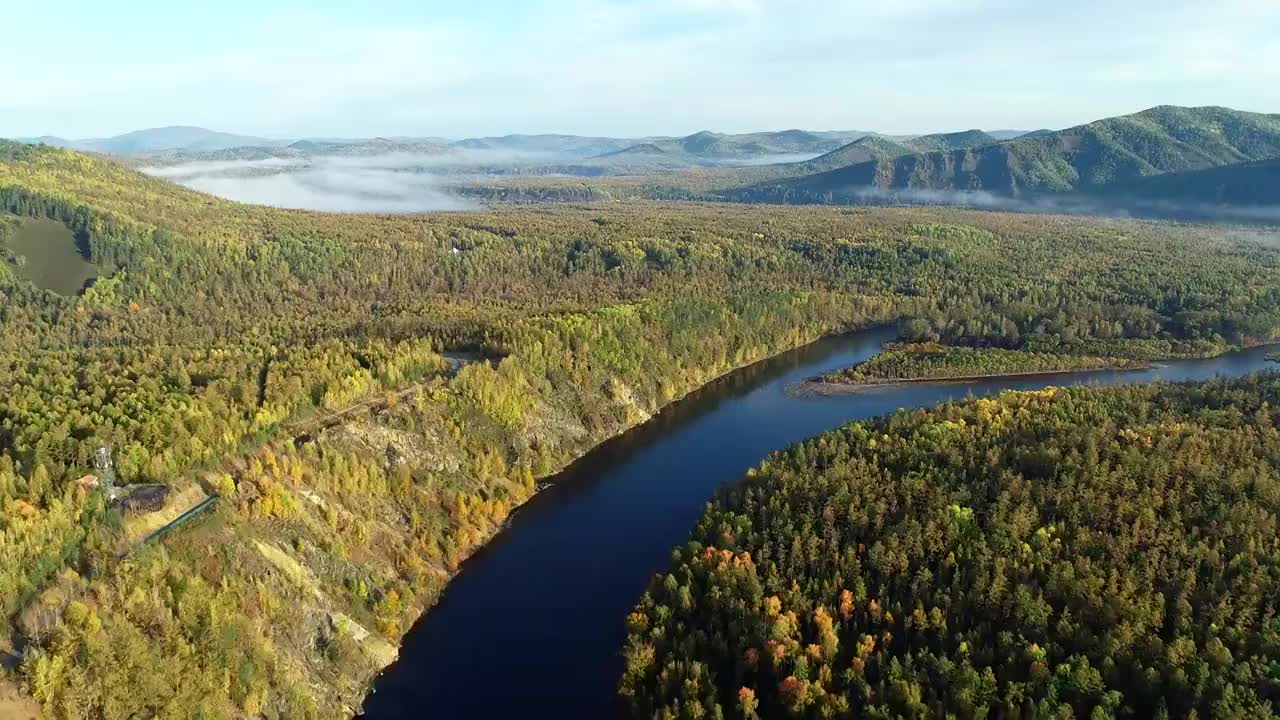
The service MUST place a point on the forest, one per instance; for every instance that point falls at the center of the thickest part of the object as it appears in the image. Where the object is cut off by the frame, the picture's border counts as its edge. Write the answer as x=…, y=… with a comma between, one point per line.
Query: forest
x=1064, y=553
x=907, y=362
x=214, y=332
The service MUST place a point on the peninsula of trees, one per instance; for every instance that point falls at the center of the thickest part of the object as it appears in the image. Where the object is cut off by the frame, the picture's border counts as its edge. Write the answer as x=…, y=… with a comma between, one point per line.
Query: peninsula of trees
x=1065, y=553
x=913, y=362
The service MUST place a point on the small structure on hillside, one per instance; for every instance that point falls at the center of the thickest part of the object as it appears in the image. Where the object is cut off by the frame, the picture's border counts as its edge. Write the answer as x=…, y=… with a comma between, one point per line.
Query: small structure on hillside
x=142, y=498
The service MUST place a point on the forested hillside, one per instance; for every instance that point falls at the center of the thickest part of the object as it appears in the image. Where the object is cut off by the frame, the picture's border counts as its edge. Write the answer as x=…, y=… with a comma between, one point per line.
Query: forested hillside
x=1252, y=183
x=214, y=331
x=1066, y=553
x=879, y=147
x=1087, y=159
x=711, y=145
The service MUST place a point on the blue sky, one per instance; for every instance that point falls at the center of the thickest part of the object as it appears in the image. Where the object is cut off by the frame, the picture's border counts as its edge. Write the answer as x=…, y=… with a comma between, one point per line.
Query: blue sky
x=624, y=67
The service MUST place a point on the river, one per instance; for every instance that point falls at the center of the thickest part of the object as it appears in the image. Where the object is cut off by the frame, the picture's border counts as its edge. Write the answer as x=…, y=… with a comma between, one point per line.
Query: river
x=532, y=626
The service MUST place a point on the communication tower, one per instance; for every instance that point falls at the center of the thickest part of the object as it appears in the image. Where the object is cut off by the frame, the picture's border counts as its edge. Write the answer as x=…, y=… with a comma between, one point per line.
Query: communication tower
x=106, y=471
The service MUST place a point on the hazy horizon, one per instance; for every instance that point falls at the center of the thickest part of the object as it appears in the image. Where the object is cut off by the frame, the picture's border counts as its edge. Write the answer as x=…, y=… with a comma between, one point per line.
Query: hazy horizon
x=331, y=137
x=623, y=68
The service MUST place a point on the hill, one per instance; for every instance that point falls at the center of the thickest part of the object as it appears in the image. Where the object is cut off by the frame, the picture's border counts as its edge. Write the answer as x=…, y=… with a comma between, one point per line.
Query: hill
x=880, y=147
x=711, y=147
x=533, y=155
x=1251, y=183
x=870, y=148
x=1007, y=134
x=248, y=153
x=163, y=139
x=256, y=161
x=866, y=149
x=944, y=142
x=376, y=146
x=648, y=148
x=516, y=154
x=52, y=140
x=1089, y=158
x=175, y=138
x=570, y=146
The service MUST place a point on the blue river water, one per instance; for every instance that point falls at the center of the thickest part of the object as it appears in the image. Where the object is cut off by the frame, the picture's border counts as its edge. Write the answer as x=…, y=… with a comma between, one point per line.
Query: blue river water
x=532, y=627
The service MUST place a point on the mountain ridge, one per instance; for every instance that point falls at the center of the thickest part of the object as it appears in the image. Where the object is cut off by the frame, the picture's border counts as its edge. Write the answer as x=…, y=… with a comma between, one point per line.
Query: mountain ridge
x=1087, y=158
x=159, y=139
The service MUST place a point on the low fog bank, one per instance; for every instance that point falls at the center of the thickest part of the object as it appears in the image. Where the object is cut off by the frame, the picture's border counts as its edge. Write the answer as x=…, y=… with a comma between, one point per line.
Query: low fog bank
x=1117, y=206
x=781, y=159
x=411, y=182
x=378, y=184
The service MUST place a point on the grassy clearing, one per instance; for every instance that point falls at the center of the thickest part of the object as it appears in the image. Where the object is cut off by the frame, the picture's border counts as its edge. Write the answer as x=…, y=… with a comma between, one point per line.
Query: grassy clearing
x=46, y=253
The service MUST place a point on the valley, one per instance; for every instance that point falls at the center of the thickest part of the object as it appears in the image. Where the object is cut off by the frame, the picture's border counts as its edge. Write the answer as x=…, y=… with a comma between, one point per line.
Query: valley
x=302, y=368
x=679, y=360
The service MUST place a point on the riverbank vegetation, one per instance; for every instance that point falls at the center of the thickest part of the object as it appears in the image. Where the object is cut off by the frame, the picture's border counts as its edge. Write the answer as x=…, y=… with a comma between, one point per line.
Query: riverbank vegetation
x=217, y=328
x=909, y=362
x=1087, y=552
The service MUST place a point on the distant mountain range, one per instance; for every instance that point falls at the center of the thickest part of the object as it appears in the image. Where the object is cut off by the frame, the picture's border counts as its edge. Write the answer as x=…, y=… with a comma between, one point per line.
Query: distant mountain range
x=1167, y=154
x=192, y=139
x=1115, y=155
x=712, y=145
x=706, y=148
x=574, y=146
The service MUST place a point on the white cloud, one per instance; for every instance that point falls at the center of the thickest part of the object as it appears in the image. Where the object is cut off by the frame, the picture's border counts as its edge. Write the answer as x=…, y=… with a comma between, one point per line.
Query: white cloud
x=718, y=7
x=632, y=67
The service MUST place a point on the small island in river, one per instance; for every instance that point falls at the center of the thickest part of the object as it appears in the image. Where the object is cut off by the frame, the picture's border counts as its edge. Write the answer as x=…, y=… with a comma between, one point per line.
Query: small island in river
x=931, y=362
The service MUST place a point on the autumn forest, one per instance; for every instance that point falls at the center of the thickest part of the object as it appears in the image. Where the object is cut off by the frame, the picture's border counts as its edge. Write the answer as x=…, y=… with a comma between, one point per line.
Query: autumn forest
x=358, y=402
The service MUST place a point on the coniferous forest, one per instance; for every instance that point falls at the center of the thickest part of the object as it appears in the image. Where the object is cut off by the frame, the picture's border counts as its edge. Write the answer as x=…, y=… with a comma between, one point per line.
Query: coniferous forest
x=909, y=362
x=1066, y=553
x=370, y=396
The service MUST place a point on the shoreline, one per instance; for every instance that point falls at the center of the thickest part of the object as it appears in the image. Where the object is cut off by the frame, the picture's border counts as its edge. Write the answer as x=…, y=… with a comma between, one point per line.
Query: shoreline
x=547, y=482
x=825, y=388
